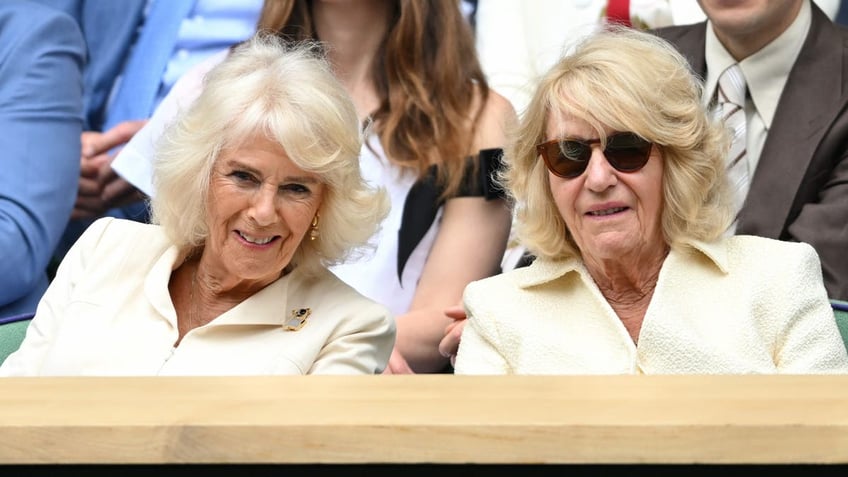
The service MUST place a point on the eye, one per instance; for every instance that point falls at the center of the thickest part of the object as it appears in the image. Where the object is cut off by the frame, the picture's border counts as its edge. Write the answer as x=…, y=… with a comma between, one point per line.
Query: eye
x=243, y=176
x=295, y=188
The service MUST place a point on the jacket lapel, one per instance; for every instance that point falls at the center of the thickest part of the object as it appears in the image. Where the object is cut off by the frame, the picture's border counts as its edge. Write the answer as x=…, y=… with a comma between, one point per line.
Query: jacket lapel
x=811, y=99
x=690, y=41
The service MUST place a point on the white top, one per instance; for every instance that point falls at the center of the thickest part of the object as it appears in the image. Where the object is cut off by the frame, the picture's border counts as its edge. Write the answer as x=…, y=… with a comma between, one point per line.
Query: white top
x=742, y=305
x=518, y=41
x=376, y=274
x=108, y=312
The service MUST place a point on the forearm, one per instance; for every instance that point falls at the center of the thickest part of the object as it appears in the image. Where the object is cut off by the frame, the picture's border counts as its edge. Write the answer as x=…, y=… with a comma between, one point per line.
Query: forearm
x=418, y=335
x=469, y=247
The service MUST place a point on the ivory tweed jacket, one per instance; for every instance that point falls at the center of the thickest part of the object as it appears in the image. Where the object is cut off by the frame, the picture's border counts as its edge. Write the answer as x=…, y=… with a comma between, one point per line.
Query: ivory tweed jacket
x=741, y=305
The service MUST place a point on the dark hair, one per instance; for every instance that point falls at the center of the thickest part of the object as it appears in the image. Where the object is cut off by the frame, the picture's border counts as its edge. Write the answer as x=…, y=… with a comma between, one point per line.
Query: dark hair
x=426, y=70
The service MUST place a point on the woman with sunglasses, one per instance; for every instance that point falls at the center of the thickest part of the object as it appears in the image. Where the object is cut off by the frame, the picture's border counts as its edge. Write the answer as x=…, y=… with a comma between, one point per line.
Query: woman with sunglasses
x=618, y=180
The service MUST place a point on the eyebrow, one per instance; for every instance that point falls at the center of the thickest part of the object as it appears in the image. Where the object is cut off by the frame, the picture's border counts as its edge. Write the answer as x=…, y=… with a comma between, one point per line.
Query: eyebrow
x=235, y=163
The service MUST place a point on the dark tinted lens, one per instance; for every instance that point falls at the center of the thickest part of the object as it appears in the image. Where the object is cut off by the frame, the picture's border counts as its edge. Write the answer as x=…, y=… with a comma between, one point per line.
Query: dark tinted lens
x=627, y=152
x=566, y=158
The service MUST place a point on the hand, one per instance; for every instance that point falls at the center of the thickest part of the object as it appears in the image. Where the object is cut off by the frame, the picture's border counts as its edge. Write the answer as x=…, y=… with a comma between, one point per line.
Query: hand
x=88, y=203
x=453, y=333
x=397, y=364
x=100, y=188
x=116, y=190
x=95, y=143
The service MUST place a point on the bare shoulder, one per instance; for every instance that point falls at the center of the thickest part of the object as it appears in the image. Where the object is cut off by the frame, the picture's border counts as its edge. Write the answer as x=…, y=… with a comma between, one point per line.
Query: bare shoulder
x=497, y=104
x=496, y=118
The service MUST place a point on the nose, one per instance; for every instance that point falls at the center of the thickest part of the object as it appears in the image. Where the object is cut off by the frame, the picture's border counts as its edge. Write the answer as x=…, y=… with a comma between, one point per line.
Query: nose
x=600, y=175
x=263, y=207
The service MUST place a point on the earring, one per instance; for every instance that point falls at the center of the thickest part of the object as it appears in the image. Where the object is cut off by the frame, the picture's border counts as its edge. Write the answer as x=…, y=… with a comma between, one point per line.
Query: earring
x=313, y=232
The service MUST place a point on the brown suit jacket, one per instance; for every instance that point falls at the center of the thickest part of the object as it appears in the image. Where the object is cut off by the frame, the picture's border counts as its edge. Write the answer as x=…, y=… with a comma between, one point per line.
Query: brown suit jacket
x=799, y=191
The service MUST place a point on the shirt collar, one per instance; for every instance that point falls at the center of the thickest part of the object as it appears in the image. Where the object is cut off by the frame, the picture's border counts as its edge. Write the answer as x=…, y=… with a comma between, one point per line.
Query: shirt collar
x=765, y=71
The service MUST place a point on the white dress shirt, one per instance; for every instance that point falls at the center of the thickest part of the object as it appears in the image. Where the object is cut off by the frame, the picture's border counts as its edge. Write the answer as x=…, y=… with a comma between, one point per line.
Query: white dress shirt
x=765, y=71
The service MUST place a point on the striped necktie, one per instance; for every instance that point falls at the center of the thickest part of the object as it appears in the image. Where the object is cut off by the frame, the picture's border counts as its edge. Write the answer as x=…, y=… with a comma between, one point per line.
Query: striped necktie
x=731, y=106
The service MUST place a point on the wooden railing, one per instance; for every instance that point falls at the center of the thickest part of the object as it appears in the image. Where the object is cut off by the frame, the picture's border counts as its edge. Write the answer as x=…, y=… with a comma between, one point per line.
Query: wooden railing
x=425, y=419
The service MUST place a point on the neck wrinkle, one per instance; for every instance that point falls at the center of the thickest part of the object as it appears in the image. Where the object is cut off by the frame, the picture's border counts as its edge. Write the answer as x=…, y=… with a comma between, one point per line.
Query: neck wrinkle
x=625, y=283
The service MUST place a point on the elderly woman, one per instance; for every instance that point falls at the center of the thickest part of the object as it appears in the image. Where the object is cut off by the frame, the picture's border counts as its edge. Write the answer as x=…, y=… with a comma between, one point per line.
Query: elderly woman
x=259, y=191
x=618, y=179
x=435, y=128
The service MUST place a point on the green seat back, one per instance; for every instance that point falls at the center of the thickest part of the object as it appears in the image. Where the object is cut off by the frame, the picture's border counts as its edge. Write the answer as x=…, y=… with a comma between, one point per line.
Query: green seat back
x=840, y=309
x=11, y=335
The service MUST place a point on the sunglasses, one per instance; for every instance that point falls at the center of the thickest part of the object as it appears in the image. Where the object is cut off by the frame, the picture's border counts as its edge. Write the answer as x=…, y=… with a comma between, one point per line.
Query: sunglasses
x=568, y=158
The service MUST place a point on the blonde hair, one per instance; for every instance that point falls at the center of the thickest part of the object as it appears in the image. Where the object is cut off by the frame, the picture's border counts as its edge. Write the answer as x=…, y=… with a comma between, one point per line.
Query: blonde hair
x=289, y=93
x=626, y=80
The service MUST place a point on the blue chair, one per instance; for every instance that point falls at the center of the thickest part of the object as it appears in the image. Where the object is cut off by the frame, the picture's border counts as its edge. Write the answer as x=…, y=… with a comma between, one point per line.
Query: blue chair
x=12, y=331
x=840, y=309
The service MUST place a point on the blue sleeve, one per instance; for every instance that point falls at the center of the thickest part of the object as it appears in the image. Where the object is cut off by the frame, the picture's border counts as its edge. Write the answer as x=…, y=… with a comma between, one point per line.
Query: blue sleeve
x=42, y=55
x=109, y=28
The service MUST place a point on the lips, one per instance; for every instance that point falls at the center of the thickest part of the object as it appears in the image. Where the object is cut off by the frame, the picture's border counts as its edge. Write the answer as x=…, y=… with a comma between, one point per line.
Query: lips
x=255, y=240
x=610, y=211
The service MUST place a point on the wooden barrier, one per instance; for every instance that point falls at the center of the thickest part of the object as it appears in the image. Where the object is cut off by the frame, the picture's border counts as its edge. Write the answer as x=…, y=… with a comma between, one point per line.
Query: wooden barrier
x=440, y=419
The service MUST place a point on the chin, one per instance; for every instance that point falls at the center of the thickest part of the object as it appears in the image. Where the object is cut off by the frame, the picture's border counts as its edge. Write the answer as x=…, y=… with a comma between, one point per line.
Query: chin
x=253, y=271
x=613, y=249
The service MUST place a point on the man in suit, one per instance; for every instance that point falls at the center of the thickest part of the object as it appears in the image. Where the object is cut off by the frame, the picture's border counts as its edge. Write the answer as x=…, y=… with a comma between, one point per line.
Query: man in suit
x=795, y=62
x=42, y=55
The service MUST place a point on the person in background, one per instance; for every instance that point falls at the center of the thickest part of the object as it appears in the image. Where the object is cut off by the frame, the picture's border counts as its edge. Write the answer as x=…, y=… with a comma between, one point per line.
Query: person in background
x=841, y=13
x=617, y=176
x=137, y=49
x=413, y=74
x=795, y=159
x=519, y=41
x=259, y=189
x=42, y=55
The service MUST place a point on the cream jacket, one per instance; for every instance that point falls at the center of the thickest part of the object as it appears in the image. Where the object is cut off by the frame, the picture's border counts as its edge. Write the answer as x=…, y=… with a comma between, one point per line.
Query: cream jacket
x=108, y=312
x=741, y=305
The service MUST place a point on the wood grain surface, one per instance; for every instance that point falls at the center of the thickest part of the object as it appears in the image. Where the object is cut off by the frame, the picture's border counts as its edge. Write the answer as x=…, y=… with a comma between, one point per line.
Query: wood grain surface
x=425, y=419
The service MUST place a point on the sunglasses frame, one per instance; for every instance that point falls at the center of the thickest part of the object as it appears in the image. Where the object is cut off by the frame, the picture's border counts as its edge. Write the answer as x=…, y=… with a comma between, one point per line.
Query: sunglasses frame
x=610, y=153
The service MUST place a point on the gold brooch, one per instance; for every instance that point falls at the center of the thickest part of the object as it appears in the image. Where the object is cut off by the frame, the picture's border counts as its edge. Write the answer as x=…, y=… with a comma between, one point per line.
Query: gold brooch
x=297, y=319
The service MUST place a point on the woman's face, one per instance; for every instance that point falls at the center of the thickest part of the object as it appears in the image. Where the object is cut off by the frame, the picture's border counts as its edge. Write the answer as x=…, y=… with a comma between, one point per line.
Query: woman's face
x=260, y=206
x=609, y=213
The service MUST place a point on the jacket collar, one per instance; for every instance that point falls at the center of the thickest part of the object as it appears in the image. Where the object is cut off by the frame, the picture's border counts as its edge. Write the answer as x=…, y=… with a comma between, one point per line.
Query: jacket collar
x=544, y=270
x=256, y=310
